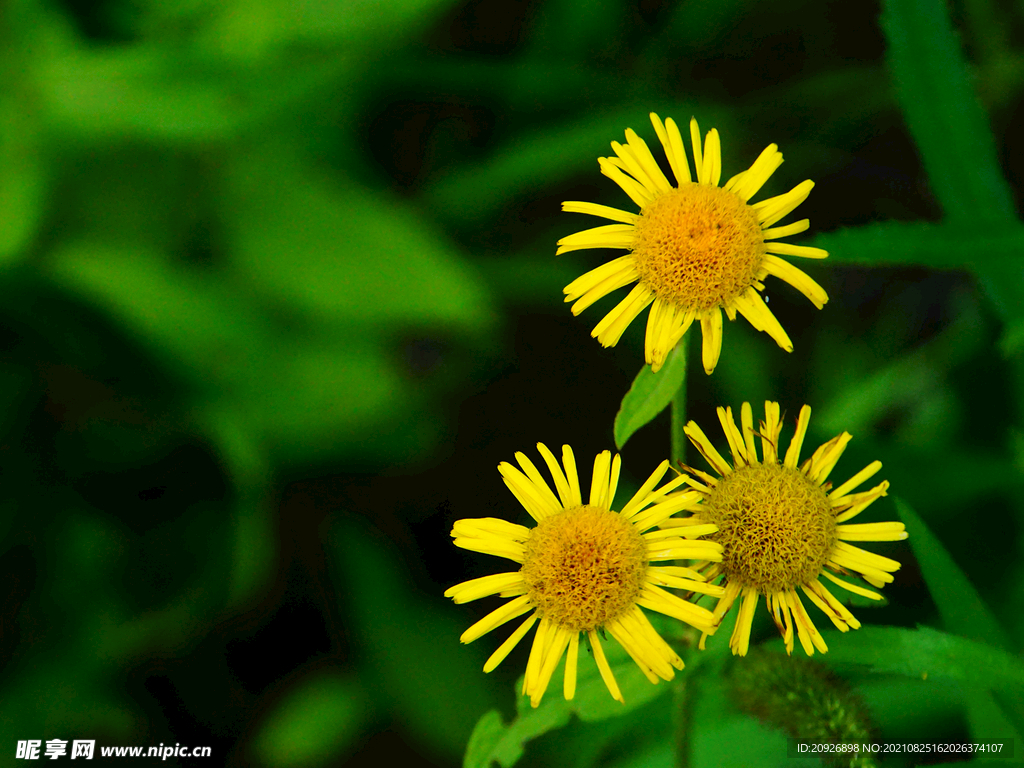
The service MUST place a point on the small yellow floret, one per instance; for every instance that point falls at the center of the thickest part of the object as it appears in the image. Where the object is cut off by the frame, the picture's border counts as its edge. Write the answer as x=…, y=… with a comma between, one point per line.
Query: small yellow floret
x=698, y=246
x=584, y=567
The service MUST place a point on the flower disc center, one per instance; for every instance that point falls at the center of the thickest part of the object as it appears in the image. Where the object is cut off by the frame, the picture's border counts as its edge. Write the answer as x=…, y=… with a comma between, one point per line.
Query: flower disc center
x=698, y=246
x=584, y=567
x=776, y=526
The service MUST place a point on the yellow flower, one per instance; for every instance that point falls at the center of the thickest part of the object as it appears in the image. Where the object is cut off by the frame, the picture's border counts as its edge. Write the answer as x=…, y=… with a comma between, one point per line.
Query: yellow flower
x=584, y=567
x=695, y=249
x=782, y=527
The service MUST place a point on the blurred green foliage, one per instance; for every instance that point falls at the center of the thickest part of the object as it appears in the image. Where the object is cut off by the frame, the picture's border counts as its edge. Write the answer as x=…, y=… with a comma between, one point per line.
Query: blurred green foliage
x=279, y=293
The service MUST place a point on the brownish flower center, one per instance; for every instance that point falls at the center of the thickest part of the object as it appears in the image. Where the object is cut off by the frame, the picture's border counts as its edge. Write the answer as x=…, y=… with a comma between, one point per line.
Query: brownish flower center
x=698, y=246
x=584, y=567
x=776, y=526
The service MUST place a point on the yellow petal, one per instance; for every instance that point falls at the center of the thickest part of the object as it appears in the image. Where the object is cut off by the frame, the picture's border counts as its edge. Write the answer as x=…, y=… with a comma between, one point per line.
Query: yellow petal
x=796, y=277
x=604, y=211
x=711, y=330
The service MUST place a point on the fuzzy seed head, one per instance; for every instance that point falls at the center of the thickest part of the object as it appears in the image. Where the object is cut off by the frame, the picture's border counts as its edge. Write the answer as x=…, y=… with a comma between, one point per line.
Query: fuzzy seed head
x=777, y=527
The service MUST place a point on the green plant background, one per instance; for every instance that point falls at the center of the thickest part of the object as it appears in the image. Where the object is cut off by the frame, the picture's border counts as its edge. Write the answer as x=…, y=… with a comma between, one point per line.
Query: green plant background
x=279, y=293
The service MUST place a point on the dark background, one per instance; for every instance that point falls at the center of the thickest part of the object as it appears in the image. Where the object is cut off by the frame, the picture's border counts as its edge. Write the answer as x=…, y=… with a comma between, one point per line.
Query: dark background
x=279, y=293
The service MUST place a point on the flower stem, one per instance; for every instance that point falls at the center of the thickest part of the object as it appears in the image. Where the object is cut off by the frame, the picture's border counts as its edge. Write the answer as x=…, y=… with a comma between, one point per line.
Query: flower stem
x=679, y=411
x=682, y=701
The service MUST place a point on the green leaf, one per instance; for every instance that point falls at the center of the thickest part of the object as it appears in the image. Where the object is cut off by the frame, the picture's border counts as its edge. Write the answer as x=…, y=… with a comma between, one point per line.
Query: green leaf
x=492, y=741
x=254, y=547
x=484, y=742
x=963, y=612
x=342, y=253
x=960, y=606
x=951, y=130
x=578, y=37
x=991, y=252
x=315, y=723
x=899, y=705
x=303, y=394
x=720, y=734
x=649, y=395
x=953, y=245
x=659, y=754
x=161, y=94
x=530, y=279
x=924, y=652
x=206, y=330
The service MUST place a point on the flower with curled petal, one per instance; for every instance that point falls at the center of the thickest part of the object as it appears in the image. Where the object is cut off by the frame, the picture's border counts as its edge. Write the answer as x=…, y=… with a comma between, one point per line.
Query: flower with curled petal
x=783, y=528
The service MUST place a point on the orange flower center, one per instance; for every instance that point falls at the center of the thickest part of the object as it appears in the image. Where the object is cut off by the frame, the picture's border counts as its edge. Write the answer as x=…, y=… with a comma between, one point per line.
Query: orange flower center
x=777, y=527
x=584, y=567
x=698, y=246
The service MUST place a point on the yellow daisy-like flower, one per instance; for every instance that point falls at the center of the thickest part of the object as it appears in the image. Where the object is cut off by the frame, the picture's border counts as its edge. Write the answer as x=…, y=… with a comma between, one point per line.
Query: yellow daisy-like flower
x=783, y=527
x=584, y=567
x=695, y=248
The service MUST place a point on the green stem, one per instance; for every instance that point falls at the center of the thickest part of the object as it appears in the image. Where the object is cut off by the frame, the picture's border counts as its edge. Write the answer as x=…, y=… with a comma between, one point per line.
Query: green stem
x=682, y=700
x=679, y=411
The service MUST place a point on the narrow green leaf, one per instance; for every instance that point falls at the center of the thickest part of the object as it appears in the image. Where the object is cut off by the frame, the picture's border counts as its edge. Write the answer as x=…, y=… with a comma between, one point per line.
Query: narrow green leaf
x=951, y=130
x=649, y=395
x=362, y=21
x=254, y=548
x=991, y=252
x=938, y=246
x=963, y=612
x=924, y=652
x=1003, y=283
x=559, y=26
x=961, y=607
